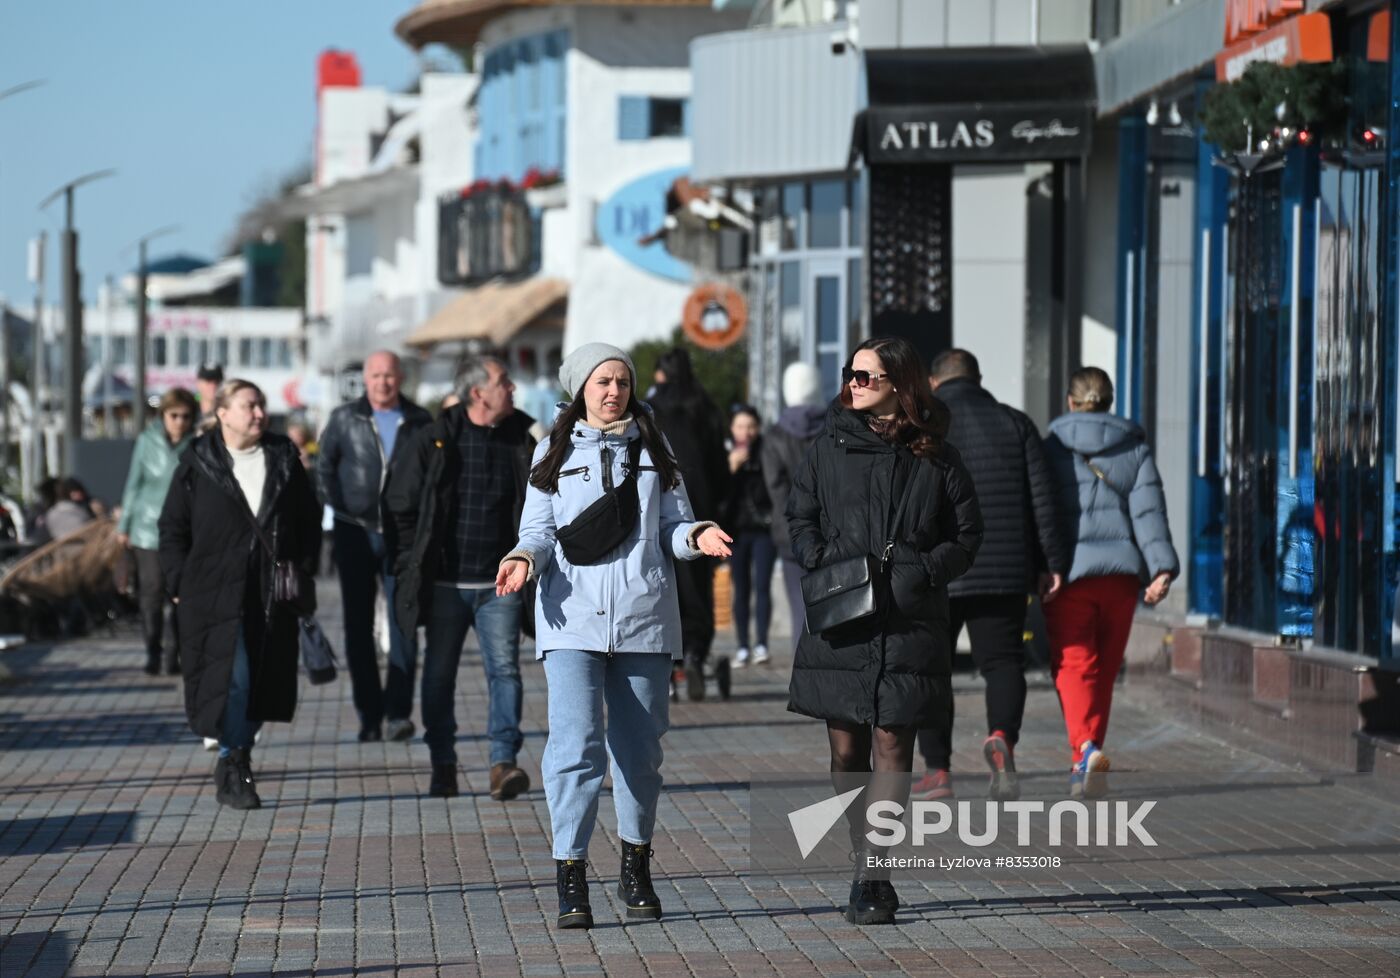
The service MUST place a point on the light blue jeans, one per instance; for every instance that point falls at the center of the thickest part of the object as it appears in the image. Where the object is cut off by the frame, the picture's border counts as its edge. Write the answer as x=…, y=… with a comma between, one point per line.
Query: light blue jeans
x=635, y=686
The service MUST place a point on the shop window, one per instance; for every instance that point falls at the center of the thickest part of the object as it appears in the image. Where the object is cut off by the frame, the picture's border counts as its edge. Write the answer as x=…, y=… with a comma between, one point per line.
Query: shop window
x=182, y=351
x=265, y=352
x=828, y=198
x=121, y=350
x=793, y=202
x=221, y=350
x=856, y=212
x=245, y=353
x=156, y=355
x=284, y=354
x=644, y=117
x=790, y=312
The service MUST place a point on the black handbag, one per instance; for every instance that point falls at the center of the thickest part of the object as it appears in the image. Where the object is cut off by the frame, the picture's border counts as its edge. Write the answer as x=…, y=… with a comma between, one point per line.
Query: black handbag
x=851, y=589
x=292, y=587
x=607, y=521
x=317, y=656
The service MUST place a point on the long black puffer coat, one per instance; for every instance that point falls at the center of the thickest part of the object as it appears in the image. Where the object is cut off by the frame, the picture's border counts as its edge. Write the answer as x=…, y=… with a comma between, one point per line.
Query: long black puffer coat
x=214, y=564
x=892, y=671
x=1015, y=490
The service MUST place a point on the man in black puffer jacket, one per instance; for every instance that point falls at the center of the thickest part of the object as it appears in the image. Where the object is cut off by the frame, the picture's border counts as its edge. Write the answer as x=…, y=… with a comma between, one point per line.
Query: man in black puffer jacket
x=1022, y=551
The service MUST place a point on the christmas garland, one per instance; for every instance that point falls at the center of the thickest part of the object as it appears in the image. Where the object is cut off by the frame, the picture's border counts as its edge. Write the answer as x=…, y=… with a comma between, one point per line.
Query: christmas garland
x=1270, y=104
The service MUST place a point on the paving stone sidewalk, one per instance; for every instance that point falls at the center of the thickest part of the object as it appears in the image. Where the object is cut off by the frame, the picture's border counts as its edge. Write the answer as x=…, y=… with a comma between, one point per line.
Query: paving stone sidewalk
x=115, y=859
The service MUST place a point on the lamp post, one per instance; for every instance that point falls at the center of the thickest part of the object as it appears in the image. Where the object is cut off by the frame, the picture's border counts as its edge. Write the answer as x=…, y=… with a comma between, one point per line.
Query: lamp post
x=72, y=318
x=5, y=331
x=142, y=326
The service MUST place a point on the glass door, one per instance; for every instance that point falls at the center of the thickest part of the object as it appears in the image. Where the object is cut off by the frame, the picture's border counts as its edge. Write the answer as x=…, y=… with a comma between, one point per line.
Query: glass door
x=827, y=288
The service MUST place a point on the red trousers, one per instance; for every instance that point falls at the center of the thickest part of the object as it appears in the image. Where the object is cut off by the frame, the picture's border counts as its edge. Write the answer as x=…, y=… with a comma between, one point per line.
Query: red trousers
x=1088, y=624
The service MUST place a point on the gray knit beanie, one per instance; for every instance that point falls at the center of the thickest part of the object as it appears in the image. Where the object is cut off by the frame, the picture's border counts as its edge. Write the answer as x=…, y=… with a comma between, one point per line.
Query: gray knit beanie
x=579, y=365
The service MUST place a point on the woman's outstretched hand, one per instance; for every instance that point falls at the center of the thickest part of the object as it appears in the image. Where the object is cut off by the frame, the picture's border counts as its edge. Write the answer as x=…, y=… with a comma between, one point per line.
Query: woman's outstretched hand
x=712, y=542
x=511, y=577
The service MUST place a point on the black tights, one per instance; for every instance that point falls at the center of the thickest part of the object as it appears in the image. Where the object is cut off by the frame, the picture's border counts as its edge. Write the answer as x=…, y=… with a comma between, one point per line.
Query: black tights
x=853, y=747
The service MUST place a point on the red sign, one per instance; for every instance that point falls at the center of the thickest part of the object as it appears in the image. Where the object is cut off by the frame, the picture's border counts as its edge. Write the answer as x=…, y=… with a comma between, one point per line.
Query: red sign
x=337, y=69
x=1305, y=38
x=1245, y=18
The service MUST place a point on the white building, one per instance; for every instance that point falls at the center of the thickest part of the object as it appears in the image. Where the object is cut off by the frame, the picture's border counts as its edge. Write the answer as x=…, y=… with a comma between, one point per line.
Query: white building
x=587, y=108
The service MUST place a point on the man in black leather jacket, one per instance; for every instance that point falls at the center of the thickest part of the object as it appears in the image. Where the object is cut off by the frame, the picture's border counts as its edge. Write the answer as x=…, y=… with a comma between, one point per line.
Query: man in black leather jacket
x=357, y=447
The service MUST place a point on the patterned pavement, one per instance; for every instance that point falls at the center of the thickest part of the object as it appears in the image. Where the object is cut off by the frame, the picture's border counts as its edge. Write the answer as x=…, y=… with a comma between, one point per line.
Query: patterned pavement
x=115, y=859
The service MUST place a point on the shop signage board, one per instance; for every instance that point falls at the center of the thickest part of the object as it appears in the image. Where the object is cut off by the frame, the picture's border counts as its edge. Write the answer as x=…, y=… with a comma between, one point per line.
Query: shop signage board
x=977, y=133
x=636, y=211
x=1307, y=37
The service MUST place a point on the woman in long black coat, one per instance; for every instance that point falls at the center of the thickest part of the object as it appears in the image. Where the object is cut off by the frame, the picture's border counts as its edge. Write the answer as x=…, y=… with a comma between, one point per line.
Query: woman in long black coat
x=238, y=648
x=878, y=680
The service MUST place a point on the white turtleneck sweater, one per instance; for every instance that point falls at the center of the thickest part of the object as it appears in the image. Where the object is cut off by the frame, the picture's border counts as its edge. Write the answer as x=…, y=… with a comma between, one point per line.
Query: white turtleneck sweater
x=250, y=469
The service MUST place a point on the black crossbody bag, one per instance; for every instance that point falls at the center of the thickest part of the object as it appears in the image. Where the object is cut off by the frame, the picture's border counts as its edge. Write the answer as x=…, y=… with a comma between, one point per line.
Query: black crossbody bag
x=850, y=590
x=291, y=586
x=608, y=520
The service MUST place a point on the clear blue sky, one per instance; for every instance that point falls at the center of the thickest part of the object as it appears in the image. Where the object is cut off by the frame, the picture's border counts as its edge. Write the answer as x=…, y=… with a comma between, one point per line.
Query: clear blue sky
x=198, y=104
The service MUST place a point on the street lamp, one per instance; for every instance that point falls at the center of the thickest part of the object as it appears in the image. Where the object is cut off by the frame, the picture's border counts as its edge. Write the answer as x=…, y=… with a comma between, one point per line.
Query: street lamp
x=5, y=333
x=72, y=318
x=142, y=325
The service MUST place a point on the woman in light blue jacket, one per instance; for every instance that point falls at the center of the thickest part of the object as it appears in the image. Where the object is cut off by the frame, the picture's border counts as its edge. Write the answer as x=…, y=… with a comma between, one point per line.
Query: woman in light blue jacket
x=157, y=453
x=1112, y=509
x=609, y=629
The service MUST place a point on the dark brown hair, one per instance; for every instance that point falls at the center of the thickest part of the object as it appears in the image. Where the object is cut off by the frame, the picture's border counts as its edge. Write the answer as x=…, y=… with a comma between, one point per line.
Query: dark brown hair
x=921, y=421
x=545, y=475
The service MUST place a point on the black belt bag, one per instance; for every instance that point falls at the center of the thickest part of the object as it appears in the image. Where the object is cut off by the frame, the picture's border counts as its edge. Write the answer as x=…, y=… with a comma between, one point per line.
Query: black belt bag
x=607, y=521
x=850, y=590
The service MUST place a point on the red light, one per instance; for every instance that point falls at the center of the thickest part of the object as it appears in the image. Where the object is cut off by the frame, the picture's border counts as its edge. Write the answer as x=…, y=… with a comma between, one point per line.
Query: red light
x=1304, y=137
x=1368, y=135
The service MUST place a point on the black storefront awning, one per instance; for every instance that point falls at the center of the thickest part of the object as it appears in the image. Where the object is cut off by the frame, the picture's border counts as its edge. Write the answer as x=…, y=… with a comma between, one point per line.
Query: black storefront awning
x=976, y=104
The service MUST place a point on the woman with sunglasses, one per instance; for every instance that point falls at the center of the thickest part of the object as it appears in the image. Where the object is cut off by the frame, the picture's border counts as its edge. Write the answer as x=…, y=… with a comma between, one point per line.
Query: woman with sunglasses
x=153, y=463
x=880, y=481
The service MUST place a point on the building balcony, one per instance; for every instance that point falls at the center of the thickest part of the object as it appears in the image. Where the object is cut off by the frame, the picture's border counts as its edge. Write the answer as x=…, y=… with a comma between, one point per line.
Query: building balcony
x=459, y=22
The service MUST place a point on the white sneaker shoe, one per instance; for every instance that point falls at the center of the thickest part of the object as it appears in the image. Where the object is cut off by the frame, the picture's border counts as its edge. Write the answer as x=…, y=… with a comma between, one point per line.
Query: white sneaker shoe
x=741, y=658
x=211, y=743
x=760, y=655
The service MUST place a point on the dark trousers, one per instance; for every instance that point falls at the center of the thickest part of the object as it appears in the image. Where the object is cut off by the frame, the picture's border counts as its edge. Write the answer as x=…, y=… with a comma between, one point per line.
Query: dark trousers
x=797, y=607
x=359, y=557
x=996, y=624
x=695, y=587
x=751, y=567
x=155, y=605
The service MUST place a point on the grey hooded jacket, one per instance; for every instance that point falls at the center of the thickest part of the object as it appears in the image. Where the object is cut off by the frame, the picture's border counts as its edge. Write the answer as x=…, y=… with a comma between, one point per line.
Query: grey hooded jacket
x=1109, y=497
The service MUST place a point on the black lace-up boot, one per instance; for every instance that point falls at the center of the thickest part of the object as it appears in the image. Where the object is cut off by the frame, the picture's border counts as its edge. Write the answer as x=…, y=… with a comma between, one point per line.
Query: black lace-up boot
x=634, y=883
x=574, y=910
x=236, y=787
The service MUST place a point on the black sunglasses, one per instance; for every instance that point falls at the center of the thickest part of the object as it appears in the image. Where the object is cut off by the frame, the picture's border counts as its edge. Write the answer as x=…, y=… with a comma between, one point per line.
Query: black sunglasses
x=863, y=378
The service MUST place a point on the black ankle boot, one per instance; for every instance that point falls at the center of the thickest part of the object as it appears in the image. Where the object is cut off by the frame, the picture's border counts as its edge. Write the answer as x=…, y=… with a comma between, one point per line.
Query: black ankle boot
x=572, y=878
x=153, y=663
x=872, y=899
x=236, y=787
x=634, y=883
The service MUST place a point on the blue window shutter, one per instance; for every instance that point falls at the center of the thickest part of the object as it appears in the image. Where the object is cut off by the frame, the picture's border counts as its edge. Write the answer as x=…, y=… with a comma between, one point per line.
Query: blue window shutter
x=633, y=117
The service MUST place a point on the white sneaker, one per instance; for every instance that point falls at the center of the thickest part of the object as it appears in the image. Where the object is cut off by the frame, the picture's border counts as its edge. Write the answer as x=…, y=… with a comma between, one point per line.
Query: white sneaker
x=211, y=743
x=741, y=658
x=760, y=655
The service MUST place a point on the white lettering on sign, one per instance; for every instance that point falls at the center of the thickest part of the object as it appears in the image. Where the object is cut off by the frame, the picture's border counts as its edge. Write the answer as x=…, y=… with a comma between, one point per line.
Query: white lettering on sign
x=1054, y=129
x=928, y=135
x=1275, y=50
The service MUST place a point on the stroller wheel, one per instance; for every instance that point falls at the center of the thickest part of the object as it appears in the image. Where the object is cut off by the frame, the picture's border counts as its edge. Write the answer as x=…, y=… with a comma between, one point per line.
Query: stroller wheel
x=723, y=676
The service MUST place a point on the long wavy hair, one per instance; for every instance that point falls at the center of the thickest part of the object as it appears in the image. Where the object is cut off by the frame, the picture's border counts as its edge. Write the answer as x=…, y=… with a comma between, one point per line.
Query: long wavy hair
x=545, y=475
x=921, y=420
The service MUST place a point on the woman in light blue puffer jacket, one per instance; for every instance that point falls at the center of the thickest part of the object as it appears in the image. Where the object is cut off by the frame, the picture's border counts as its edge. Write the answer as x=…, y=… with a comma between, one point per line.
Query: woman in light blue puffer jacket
x=1114, y=514
x=607, y=631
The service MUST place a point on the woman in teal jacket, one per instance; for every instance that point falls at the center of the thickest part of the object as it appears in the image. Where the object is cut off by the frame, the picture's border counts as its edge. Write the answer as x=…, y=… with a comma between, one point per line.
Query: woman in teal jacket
x=607, y=629
x=158, y=451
